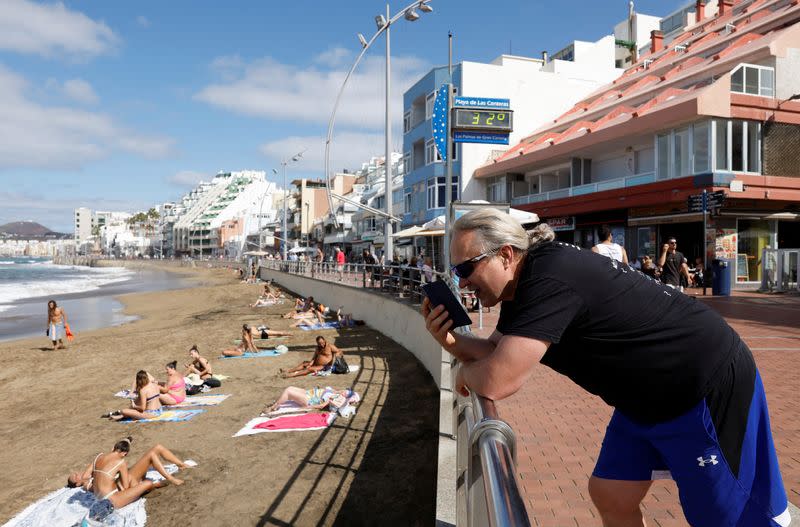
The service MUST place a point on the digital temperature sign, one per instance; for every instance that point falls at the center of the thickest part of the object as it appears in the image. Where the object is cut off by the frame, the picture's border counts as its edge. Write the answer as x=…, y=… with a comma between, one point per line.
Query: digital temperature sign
x=472, y=119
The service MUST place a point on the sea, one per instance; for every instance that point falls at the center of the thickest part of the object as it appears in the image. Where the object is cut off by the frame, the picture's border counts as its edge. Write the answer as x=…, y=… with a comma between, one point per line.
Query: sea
x=87, y=294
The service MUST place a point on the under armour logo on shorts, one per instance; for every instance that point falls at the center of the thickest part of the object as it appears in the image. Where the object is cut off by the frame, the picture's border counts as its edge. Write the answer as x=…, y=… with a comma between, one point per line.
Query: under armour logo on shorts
x=712, y=460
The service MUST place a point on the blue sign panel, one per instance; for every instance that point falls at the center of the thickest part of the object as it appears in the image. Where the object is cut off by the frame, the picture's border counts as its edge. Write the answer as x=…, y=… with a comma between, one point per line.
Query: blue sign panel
x=482, y=102
x=439, y=122
x=460, y=136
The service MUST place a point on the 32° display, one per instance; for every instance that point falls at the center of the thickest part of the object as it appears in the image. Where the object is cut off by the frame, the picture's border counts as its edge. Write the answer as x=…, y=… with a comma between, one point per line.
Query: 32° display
x=497, y=120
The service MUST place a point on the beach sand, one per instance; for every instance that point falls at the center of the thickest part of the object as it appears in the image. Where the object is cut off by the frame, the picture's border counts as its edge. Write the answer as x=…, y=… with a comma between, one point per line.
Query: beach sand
x=376, y=468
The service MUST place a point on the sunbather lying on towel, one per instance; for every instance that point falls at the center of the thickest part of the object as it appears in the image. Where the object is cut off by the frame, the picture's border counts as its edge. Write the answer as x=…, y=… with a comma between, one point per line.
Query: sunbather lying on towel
x=248, y=334
x=199, y=365
x=323, y=356
x=316, y=398
x=302, y=308
x=147, y=403
x=109, y=477
x=310, y=318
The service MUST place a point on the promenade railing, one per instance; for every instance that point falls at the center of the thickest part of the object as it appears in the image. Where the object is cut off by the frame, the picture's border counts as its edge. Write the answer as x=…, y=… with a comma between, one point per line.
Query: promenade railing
x=487, y=489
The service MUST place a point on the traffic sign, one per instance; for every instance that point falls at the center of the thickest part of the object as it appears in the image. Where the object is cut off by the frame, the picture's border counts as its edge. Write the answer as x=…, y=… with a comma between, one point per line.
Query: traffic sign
x=713, y=200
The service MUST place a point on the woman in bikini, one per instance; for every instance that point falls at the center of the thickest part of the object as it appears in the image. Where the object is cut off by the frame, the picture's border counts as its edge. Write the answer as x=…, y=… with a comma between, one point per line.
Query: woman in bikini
x=247, y=344
x=315, y=398
x=174, y=390
x=199, y=365
x=109, y=477
x=147, y=403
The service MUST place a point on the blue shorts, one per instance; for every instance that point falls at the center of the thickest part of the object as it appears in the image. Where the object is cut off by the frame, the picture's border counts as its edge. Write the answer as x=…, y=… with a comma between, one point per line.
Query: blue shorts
x=713, y=490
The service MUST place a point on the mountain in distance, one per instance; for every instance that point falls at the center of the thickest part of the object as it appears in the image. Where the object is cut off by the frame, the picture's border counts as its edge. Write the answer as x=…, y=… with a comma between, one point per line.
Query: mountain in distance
x=26, y=230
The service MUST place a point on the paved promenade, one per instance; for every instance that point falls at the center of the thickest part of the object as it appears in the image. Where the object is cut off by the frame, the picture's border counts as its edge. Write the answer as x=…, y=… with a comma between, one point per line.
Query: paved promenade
x=560, y=427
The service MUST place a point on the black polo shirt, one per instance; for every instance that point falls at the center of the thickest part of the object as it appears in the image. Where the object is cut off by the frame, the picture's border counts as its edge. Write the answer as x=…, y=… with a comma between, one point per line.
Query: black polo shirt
x=646, y=349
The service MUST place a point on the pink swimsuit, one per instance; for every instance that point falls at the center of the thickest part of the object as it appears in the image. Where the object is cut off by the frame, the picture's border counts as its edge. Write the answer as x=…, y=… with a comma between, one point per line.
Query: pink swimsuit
x=179, y=398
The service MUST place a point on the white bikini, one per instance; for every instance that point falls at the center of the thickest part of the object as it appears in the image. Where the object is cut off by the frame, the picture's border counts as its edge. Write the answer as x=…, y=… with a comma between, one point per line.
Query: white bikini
x=115, y=476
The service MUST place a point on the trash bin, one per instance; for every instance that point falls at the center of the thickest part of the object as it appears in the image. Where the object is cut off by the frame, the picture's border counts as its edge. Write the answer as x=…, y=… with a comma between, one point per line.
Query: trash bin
x=721, y=277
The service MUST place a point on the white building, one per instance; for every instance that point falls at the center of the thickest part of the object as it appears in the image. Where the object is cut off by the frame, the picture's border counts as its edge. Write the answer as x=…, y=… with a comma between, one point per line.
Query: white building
x=84, y=221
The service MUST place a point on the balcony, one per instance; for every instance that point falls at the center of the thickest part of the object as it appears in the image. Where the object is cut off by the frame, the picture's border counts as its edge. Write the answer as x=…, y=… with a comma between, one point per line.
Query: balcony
x=629, y=181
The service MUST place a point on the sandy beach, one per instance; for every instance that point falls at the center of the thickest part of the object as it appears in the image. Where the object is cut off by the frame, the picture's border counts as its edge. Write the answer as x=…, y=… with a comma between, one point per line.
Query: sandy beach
x=376, y=468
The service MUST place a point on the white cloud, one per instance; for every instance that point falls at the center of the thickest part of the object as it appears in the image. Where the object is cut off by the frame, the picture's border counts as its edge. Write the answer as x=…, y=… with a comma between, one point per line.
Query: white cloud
x=348, y=150
x=56, y=213
x=52, y=29
x=41, y=136
x=334, y=57
x=142, y=21
x=80, y=91
x=188, y=178
x=270, y=89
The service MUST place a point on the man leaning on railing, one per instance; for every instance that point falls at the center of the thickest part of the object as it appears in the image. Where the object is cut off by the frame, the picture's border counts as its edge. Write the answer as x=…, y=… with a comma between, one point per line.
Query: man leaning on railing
x=634, y=342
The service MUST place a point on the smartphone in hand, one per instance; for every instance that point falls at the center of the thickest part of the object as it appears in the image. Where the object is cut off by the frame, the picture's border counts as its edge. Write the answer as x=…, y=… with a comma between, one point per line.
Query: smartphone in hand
x=439, y=294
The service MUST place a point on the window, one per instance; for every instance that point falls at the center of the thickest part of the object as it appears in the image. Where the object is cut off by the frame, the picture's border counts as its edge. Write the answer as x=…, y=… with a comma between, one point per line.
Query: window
x=407, y=200
x=406, y=162
x=662, y=152
x=496, y=190
x=753, y=147
x=721, y=144
x=429, y=100
x=700, y=140
x=431, y=154
x=681, y=160
x=737, y=146
x=436, y=191
x=753, y=80
x=407, y=122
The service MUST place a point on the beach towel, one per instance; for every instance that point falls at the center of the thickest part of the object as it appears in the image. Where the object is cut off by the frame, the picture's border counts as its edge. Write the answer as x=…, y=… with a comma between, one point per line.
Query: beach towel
x=318, y=326
x=289, y=423
x=201, y=400
x=169, y=416
x=289, y=407
x=262, y=343
x=220, y=377
x=327, y=371
x=66, y=507
x=263, y=353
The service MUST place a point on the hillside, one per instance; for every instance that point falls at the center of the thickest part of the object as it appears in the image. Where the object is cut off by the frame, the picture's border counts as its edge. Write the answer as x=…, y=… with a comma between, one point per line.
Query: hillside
x=27, y=230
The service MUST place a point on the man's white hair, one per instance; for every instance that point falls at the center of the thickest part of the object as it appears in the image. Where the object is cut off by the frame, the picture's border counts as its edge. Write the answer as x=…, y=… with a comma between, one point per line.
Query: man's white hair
x=495, y=229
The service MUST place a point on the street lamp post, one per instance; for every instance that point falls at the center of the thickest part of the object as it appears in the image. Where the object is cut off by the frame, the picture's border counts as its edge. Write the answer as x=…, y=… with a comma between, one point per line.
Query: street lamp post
x=294, y=159
x=384, y=24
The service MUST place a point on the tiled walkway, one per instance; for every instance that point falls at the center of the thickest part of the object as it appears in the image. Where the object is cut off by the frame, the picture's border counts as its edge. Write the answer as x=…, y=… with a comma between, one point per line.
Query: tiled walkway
x=560, y=427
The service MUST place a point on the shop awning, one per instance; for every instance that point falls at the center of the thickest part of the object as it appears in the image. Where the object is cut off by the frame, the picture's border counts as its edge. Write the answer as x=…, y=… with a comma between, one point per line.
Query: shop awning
x=435, y=232
x=407, y=233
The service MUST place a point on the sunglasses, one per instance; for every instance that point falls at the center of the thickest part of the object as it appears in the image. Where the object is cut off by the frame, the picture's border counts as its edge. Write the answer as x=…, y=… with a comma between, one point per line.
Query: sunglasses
x=466, y=268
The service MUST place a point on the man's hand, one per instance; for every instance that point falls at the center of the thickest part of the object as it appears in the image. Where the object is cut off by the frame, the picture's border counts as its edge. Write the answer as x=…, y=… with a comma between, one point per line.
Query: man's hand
x=438, y=324
x=665, y=248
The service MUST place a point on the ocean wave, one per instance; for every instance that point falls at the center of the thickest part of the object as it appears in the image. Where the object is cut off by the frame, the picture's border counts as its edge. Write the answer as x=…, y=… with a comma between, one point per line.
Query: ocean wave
x=89, y=280
x=7, y=262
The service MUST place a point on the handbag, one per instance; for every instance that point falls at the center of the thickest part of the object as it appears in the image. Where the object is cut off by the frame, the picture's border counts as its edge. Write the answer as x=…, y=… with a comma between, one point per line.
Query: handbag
x=68, y=332
x=340, y=365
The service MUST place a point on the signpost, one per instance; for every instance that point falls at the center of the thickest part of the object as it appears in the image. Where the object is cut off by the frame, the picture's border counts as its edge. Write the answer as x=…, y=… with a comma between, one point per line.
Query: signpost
x=462, y=119
x=702, y=203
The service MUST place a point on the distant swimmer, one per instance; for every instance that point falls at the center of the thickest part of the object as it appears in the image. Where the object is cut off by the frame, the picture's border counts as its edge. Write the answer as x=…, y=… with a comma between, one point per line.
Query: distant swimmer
x=56, y=324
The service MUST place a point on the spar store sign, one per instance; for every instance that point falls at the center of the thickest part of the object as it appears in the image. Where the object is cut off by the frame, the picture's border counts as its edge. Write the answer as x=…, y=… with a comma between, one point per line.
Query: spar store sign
x=564, y=223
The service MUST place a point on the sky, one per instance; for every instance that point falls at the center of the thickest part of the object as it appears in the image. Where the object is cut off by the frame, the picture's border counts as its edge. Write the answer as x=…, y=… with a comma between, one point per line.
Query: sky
x=126, y=105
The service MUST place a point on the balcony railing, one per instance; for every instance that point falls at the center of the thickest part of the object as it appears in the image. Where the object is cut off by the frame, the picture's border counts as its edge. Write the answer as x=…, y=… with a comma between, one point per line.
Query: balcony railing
x=629, y=181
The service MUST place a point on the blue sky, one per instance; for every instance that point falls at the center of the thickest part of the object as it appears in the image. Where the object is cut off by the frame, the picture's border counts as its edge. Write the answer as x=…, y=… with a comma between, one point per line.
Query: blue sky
x=123, y=105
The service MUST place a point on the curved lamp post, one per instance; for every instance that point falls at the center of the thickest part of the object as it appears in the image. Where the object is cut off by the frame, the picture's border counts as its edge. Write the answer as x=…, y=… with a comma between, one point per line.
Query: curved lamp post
x=384, y=24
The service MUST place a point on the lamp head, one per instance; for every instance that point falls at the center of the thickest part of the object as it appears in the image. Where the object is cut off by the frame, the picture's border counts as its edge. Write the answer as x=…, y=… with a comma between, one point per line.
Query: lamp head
x=362, y=40
x=425, y=8
x=274, y=171
x=411, y=15
x=380, y=21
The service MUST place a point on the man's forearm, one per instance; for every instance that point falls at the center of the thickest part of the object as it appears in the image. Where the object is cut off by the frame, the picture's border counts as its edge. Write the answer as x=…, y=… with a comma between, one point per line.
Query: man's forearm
x=468, y=348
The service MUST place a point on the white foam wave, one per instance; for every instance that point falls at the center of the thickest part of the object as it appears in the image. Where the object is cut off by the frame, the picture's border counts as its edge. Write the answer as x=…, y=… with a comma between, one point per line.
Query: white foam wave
x=6, y=262
x=91, y=279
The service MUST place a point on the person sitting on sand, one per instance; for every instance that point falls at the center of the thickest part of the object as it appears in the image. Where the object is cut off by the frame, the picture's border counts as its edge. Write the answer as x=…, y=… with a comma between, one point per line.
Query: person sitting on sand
x=147, y=403
x=301, y=308
x=56, y=324
x=248, y=335
x=109, y=477
x=267, y=298
x=199, y=365
x=173, y=391
x=315, y=398
x=322, y=358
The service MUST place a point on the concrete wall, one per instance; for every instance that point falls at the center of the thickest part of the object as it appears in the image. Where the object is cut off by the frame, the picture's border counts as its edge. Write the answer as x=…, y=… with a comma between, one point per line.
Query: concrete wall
x=397, y=321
